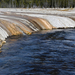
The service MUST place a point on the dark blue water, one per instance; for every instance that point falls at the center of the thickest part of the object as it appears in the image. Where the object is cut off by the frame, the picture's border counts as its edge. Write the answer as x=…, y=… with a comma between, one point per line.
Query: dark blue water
x=43, y=53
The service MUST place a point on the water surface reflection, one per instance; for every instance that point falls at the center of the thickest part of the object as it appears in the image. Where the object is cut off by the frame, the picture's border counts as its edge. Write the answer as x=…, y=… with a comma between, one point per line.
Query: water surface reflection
x=43, y=53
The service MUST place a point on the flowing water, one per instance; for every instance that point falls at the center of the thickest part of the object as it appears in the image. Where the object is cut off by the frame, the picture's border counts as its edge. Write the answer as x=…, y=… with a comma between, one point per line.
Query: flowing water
x=43, y=53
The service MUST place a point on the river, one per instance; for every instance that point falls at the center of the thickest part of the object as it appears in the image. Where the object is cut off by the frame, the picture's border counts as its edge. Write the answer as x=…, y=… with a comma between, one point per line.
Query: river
x=43, y=53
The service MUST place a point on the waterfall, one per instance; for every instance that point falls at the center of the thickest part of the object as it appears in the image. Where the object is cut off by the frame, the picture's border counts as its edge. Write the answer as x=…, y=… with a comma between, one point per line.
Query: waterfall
x=56, y=21
x=17, y=24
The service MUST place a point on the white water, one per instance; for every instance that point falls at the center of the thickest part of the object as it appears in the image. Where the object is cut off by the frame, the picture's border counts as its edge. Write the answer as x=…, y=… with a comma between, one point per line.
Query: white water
x=3, y=34
x=55, y=21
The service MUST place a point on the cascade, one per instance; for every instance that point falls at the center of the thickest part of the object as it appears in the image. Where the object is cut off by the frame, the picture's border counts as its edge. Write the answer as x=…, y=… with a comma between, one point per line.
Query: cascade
x=17, y=24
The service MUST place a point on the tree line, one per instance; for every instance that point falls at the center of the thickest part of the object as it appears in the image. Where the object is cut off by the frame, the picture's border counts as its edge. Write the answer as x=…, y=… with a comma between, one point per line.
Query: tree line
x=37, y=3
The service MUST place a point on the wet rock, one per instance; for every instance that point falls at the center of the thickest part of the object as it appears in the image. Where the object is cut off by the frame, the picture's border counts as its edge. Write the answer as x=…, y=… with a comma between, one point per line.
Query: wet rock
x=3, y=42
x=0, y=44
x=0, y=51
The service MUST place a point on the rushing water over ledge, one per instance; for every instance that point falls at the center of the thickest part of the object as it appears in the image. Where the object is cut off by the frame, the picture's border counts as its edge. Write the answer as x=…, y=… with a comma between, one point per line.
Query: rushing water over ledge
x=27, y=21
x=44, y=53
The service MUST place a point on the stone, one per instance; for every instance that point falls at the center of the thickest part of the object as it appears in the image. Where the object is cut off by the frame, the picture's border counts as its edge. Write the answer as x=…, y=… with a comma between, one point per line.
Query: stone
x=0, y=51
x=3, y=42
x=0, y=44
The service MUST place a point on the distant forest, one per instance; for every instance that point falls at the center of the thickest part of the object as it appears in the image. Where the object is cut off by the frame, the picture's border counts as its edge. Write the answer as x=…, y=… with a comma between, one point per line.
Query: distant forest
x=37, y=3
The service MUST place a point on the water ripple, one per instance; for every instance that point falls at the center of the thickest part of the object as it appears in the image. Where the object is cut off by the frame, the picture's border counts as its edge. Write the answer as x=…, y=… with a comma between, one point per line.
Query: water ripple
x=50, y=53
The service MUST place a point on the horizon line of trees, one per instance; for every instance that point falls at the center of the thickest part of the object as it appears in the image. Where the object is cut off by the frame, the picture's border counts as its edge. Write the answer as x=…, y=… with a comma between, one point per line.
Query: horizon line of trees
x=37, y=3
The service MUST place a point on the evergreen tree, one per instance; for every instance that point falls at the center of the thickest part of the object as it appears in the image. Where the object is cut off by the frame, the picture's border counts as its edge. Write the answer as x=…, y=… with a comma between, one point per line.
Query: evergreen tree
x=37, y=3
